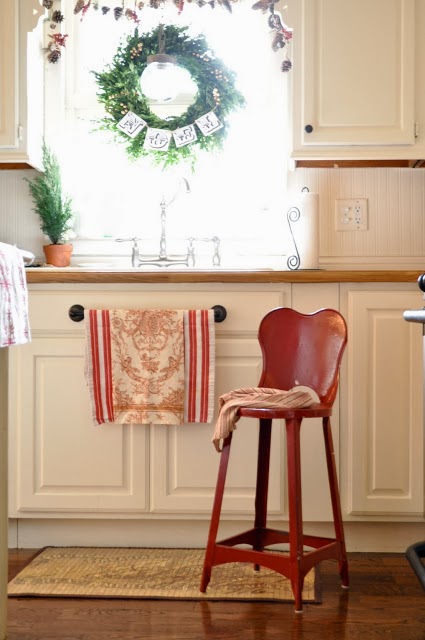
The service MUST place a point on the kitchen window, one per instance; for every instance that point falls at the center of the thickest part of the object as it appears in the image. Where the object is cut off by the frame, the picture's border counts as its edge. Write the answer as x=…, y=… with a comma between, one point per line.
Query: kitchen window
x=238, y=193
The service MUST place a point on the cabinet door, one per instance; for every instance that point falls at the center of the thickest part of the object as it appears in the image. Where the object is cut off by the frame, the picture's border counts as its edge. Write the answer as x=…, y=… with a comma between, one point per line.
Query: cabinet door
x=382, y=408
x=353, y=73
x=59, y=462
x=184, y=462
x=21, y=80
x=9, y=94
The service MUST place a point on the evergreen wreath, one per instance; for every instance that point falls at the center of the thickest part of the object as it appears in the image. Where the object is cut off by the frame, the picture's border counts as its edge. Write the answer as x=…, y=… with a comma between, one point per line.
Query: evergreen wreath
x=120, y=93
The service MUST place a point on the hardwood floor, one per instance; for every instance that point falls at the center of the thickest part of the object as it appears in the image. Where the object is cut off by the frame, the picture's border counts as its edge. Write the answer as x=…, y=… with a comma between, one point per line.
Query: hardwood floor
x=385, y=602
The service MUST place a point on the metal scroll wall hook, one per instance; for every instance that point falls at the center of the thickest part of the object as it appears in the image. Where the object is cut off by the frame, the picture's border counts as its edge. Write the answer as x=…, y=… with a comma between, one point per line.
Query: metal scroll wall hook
x=293, y=215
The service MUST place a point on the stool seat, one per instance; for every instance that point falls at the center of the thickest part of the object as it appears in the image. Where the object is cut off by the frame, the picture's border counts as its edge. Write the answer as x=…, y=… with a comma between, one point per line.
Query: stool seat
x=298, y=350
x=317, y=410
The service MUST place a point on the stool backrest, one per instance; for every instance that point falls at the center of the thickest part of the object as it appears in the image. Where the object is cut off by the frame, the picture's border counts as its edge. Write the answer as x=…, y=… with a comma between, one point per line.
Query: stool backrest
x=302, y=349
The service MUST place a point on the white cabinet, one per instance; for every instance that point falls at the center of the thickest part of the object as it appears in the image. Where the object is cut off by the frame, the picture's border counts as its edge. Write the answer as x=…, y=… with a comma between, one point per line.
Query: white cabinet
x=382, y=403
x=21, y=79
x=354, y=78
x=61, y=466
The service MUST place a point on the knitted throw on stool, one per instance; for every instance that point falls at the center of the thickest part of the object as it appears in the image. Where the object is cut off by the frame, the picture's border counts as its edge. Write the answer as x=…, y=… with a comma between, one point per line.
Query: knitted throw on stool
x=255, y=397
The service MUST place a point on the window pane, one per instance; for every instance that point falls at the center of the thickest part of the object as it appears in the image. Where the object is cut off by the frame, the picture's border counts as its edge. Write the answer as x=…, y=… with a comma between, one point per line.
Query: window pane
x=236, y=194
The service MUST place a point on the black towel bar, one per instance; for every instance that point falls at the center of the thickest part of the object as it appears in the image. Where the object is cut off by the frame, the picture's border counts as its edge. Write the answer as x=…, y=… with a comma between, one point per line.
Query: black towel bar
x=76, y=313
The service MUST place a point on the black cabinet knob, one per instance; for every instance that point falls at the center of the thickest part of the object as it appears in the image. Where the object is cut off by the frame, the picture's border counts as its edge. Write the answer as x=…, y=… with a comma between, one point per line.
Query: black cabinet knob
x=308, y=128
x=421, y=282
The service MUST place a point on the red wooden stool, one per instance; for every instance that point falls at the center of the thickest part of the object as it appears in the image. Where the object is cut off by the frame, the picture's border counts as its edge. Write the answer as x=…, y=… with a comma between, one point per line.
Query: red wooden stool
x=298, y=350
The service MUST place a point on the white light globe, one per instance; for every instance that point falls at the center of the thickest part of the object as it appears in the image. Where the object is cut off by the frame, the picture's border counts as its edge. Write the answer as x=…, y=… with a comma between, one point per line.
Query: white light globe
x=162, y=80
x=159, y=79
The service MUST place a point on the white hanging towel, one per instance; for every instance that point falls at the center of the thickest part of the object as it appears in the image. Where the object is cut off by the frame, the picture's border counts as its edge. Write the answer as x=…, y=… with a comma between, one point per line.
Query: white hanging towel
x=14, y=322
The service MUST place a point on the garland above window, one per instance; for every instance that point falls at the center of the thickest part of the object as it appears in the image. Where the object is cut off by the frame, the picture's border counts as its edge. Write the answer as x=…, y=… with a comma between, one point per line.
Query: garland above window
x=132, y=10
x=167, y=141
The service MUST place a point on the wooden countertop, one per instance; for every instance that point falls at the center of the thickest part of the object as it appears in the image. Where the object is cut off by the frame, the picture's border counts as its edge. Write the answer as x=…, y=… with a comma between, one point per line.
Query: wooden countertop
x=89, y=276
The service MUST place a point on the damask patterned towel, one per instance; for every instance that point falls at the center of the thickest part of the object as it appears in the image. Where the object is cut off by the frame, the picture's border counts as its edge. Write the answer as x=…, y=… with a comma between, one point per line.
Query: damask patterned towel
x=150, y=366
x=14, y=323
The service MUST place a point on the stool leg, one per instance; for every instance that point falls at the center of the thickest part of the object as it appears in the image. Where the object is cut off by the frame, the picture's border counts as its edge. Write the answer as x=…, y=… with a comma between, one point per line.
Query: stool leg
x=296, y=547
x=215, y=515
x=335, y=499
x=262, y=486
x=263, y=466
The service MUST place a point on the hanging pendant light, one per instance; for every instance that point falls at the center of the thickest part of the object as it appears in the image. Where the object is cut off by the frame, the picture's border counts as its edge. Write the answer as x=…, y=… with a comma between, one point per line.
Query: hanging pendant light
x=159, y=80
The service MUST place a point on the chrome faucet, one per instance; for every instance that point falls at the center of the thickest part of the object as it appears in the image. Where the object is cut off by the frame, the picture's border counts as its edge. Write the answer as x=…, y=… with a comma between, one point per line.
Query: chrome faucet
x=163, y=260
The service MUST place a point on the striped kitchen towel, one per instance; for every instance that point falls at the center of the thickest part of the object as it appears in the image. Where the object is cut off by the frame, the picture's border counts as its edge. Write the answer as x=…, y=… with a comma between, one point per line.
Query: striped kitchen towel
x=255, y=397
x=150, y=366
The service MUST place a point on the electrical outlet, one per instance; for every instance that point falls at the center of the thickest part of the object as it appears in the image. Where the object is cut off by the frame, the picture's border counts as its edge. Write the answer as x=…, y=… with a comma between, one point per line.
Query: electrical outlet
x=351, y=214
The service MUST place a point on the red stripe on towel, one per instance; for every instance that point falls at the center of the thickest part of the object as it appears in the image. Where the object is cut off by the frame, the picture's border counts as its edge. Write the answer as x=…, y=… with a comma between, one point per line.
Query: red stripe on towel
x=95, y=364
x=205, y=366
x=193, y=367
x=107, y=364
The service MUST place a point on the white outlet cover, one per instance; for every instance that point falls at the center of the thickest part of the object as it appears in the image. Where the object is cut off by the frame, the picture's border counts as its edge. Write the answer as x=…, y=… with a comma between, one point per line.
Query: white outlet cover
x=351, y=214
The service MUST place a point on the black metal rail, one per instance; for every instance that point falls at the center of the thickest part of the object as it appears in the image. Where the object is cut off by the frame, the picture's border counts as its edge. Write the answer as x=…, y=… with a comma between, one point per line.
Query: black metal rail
x=76, y=313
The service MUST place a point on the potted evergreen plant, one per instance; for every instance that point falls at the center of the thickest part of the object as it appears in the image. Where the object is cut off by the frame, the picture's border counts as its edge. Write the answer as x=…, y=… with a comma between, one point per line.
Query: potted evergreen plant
x=53, y=208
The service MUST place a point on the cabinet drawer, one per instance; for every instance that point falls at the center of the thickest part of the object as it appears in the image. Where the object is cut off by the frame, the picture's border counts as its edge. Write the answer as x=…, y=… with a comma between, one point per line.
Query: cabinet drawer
x=245, y=307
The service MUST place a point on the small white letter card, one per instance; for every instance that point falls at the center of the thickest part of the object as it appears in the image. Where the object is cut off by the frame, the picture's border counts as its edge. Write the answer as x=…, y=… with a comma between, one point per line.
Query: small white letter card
x=185, y=135
x=131, y=124
x=157, y=139
x=209, y=123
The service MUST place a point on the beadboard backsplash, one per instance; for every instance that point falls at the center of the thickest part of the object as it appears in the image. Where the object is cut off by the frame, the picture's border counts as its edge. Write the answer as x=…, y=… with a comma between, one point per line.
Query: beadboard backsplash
x=396, y=227
x=396, y=222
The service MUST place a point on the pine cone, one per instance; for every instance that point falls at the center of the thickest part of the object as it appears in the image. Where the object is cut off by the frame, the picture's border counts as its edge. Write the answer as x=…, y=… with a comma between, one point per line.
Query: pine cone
x=278, y=42
x=79, y=5
x=286, y=65
x=47, y=4
x=274, y=21
x=105, y=10
x=54, y=56
x=226, y=4
x=57, y=16
x=118, y=13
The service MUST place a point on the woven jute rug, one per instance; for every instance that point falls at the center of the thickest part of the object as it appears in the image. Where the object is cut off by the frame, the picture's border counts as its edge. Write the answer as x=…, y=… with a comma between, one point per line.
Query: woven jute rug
x=88, y=572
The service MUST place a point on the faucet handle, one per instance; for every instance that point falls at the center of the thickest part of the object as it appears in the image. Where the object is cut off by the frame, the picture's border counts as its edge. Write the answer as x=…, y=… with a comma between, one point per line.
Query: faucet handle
x=135, y=256
x=191, y=252
x=135, y=240
x=216, y=256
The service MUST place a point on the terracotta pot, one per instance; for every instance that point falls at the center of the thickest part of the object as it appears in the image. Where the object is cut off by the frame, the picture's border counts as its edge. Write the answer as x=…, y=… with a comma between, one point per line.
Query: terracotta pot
x=58, y=255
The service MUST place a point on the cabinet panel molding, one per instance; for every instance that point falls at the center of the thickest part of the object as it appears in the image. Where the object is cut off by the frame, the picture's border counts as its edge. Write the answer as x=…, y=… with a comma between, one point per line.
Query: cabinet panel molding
x=59, y=461
x=191, y=461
